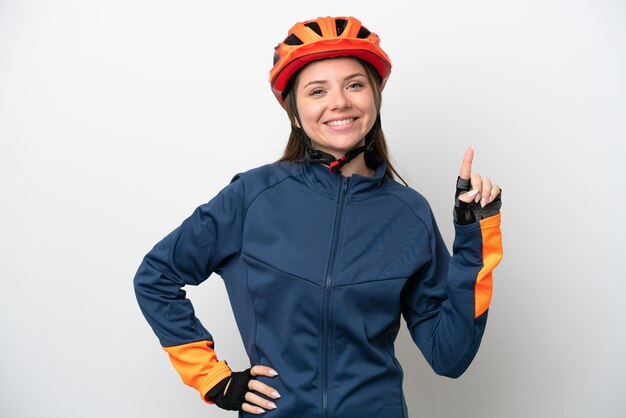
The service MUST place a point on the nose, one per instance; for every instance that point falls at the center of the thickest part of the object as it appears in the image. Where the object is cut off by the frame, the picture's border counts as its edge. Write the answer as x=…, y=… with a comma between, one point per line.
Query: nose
x=340, y=100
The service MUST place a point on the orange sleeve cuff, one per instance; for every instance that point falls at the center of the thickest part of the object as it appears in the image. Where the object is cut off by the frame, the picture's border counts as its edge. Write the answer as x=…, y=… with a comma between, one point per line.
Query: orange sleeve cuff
x=197, y=365
x=492, y=254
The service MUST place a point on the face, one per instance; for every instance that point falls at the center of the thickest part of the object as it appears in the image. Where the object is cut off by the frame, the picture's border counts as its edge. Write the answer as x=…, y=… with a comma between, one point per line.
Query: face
x=336, y=104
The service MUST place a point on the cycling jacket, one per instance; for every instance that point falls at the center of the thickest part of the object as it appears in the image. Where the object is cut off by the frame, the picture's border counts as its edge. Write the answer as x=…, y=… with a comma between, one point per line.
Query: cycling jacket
x=319, y=268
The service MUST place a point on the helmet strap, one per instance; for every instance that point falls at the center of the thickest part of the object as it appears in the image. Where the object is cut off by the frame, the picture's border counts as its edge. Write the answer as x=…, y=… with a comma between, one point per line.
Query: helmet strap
x=335, y=164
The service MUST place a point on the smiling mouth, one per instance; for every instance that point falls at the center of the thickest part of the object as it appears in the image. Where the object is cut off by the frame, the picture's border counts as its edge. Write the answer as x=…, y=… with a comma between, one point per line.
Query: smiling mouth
x=341, y=122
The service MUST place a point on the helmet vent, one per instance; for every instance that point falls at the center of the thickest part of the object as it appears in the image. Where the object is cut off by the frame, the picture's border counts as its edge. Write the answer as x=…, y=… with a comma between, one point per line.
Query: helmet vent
x=314, y=27
x=363, y=33
x=292, y=40
x=340, y=24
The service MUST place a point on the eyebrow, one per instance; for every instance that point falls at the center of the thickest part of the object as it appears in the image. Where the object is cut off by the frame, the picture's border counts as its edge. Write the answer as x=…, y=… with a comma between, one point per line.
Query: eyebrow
x=324, y=81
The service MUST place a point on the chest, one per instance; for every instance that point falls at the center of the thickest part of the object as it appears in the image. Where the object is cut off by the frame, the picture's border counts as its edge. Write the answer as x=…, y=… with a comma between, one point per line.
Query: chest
x=307, y=235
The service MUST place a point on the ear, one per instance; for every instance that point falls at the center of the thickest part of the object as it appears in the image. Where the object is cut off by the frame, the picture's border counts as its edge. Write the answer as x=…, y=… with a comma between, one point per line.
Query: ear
x=296, y=124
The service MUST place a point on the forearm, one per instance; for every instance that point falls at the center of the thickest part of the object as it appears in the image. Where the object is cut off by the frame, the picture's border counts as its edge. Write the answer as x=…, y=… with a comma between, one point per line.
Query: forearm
x=469, y=286
x=449, y=305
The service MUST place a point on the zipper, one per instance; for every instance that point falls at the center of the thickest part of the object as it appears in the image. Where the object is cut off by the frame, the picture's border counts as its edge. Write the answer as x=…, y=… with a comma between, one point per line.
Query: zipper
x=326, y=301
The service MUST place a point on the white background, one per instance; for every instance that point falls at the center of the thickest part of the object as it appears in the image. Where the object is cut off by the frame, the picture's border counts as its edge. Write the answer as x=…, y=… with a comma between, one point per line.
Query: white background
x=118, y=118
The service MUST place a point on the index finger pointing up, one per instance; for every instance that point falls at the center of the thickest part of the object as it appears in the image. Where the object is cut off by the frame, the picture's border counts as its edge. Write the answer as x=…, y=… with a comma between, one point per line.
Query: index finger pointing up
x=466, y=167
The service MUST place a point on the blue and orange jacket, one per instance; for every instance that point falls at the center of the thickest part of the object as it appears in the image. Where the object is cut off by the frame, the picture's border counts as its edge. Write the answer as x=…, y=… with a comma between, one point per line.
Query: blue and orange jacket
x=319, y=269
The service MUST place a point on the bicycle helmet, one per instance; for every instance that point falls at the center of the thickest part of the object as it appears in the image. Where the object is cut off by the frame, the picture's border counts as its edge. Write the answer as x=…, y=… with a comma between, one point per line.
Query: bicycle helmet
x=325, y=37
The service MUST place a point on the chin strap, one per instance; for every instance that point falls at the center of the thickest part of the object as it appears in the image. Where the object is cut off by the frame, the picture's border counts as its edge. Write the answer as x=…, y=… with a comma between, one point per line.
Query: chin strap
x=335, y=164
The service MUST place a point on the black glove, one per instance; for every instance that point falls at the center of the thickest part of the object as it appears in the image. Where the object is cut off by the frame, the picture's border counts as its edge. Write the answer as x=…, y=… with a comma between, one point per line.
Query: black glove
x=230, y=393
x=467, y=213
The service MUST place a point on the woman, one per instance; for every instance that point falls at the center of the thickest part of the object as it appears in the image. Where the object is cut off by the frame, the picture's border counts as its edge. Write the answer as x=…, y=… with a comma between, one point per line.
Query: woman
x=323, y=251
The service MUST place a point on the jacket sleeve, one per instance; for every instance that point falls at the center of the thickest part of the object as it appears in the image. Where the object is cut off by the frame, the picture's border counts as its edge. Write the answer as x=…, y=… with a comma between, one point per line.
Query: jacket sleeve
x=207, y=241
x=446, y=303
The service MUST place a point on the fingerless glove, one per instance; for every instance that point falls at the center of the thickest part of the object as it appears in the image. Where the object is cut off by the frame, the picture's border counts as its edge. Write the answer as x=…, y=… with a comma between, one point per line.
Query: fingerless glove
x=230, y=393
x=467, y=213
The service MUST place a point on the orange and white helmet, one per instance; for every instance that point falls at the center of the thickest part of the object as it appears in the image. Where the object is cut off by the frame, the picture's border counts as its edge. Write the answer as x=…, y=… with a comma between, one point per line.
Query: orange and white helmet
x=325, y=37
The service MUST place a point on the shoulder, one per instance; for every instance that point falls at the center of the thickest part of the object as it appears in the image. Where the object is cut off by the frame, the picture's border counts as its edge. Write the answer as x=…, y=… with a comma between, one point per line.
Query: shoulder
x=256, y=180
x=411, y=198
x=268, y=174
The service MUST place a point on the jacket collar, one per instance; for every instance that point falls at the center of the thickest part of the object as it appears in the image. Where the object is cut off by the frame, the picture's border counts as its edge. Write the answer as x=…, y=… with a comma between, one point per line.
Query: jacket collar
x=322, y=180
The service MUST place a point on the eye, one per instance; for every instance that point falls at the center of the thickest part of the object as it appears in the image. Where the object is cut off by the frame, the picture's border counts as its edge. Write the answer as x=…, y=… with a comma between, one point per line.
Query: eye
x=355, y=85
x=316, y=92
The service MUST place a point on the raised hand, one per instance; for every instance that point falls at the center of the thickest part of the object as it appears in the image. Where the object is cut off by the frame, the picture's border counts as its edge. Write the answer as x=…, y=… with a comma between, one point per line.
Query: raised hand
x=480, y=201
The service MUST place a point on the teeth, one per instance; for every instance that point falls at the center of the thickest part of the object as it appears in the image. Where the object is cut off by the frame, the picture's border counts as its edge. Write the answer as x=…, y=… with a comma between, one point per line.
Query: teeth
x=340, y=122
